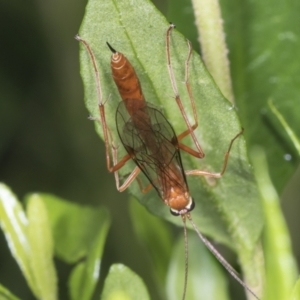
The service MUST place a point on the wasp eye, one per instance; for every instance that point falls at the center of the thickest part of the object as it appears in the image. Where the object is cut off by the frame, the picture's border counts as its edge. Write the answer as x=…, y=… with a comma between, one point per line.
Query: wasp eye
x=174, y=212
x=192, y=206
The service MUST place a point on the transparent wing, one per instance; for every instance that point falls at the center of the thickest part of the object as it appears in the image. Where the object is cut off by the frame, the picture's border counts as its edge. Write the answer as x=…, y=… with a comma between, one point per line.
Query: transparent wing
x=152, y=143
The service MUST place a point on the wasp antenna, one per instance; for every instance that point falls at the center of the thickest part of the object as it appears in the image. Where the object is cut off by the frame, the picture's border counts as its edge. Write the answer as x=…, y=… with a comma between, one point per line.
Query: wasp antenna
x=111, y=48
x=221, y=259
x=186, y=256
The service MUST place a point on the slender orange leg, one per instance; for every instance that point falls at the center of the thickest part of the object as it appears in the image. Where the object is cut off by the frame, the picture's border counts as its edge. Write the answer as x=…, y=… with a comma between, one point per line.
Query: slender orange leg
x=145, y=189
x=186, y=132
x=130, y=178
x=216, y=175
x=109, y=148
x=191, y=128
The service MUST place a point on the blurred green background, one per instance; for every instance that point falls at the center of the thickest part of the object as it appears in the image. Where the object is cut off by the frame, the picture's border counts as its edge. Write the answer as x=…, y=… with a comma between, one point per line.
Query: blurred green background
x=47, y=144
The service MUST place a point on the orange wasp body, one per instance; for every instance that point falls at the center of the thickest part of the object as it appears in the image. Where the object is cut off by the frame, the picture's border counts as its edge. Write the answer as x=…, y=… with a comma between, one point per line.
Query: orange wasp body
x=151, y=142
x=149, y=138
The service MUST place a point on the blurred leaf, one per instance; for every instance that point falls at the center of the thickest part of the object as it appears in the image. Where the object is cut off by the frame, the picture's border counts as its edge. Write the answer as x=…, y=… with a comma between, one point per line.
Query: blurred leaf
x=202, y=268
x=123, y=284
x=296, y=291
x=5, y=294
x=85, y=275
x=79, y=232
x=155, y=236
x=14, y=224
x=74, y=227
x=263, y=40
x=281, y=267
x=41, y=255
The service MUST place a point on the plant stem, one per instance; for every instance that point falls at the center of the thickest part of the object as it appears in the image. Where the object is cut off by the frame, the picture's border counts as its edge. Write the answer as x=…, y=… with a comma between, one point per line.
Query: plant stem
x=212, y=40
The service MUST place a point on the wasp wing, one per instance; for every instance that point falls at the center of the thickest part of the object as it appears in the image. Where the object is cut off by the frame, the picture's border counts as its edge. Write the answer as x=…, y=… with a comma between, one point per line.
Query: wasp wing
x=152, y=143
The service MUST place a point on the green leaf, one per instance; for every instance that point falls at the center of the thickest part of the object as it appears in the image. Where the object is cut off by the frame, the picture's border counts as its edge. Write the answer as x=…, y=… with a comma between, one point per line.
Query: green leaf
x=263, y=40
x=227, y=209
x=85, y=275
x=123, y=284
x=281, y=267
x=74, y=227
x=156, y=236
x=14, y=224
x=41, y=255
x=202, y=267
x=79, y=232
x=5, y=294
x=296, y=291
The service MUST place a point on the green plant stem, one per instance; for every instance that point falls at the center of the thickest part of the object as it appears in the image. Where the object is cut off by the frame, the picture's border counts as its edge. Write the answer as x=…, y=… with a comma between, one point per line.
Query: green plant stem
x=281, y=268
x=212, y=40
x=285, y=125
